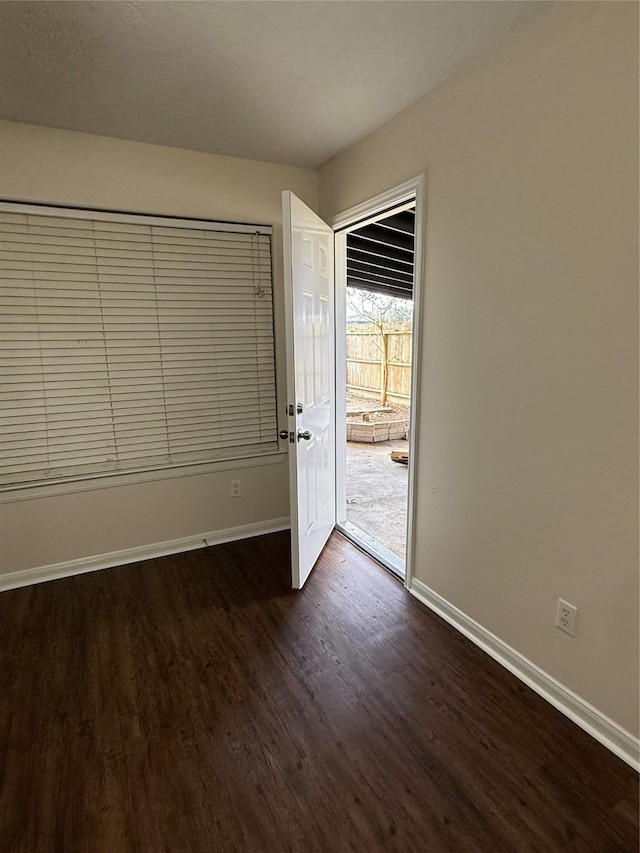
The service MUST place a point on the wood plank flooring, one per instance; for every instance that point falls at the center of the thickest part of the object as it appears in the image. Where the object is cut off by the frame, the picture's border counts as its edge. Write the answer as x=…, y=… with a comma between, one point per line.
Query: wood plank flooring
x=194, y=704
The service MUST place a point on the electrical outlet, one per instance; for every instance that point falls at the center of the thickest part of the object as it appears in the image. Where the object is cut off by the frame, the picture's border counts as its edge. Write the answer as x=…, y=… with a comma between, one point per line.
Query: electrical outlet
x=236, y=490
x=566, y=617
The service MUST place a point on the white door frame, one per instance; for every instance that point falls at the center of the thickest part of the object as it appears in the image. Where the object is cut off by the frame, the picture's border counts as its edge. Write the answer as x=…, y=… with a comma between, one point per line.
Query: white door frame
x=394, y=197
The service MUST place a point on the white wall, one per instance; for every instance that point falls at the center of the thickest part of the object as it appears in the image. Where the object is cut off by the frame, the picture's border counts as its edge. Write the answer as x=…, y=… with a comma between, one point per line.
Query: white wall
x=528, y=466
x=61, y=167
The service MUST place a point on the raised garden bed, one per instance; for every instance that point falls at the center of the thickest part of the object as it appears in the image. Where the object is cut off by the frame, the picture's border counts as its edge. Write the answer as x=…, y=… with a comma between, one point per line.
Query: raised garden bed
x=369, y=422
x=372, y=431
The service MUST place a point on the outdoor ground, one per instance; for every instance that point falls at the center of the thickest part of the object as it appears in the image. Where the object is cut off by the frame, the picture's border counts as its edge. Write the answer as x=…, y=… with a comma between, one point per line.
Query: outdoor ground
x=391, y=412
x=377, y=492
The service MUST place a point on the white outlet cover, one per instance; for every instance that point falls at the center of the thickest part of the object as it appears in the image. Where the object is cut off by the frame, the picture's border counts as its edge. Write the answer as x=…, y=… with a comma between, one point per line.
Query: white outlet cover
x=566, y=616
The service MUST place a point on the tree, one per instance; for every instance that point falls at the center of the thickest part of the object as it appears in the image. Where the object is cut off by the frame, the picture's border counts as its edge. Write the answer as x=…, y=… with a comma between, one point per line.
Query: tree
x=377, y=307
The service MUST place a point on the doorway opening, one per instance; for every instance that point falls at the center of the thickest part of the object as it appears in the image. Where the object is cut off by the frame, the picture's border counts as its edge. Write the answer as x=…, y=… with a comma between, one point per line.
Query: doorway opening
x=375, y=275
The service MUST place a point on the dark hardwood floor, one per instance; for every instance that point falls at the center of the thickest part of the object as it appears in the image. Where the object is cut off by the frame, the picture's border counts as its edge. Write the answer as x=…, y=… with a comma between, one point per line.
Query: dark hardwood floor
x=194, y=704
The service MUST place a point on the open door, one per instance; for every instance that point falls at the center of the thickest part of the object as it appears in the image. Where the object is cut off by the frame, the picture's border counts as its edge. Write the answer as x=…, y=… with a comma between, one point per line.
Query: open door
x=310, y=324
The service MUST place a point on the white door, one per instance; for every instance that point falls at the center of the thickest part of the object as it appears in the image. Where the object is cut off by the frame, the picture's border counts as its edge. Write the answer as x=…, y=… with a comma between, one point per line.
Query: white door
x=309, y=306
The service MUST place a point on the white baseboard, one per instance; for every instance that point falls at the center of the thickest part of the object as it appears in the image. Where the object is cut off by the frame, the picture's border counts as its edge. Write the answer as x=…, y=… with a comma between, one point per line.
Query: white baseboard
x=26, y=577
x=625, y=745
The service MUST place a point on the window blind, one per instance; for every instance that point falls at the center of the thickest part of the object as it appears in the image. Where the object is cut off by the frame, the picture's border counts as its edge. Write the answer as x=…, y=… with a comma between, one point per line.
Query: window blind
x=130, y=343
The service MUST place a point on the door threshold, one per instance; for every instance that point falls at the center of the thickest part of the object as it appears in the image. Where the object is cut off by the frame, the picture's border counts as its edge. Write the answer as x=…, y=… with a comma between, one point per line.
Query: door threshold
x=373, y=548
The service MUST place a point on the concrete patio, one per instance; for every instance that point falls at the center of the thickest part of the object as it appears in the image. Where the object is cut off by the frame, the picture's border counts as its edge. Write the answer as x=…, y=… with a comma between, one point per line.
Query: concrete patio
x=377, y=492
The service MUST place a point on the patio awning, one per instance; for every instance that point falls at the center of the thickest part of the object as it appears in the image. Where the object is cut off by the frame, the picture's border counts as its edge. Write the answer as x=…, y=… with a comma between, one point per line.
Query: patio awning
x=380, y=255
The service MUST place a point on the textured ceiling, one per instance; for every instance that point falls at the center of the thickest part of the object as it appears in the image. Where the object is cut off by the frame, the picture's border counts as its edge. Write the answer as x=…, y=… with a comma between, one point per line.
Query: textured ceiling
x=289, y=82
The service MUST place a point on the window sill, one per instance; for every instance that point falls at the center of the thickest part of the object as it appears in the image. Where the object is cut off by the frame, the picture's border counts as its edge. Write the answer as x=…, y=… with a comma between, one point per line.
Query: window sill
x=26, y=492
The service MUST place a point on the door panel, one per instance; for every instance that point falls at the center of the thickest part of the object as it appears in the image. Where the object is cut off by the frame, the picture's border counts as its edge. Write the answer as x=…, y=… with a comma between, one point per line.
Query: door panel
x=309, y=307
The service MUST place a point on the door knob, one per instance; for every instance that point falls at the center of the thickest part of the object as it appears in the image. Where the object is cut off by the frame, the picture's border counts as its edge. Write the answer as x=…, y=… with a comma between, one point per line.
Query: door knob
x=304, y=434
x=284, y=434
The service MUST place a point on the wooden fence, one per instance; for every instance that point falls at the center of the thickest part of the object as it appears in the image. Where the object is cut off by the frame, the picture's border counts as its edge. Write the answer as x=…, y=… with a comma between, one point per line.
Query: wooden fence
x=379, y=362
